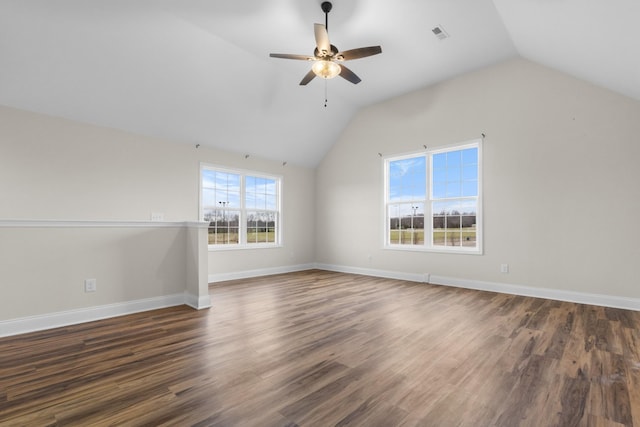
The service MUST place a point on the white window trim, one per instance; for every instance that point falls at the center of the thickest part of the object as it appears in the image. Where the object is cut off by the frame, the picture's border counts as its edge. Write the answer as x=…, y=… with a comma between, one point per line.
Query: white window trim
x=428, y=224
x=242, y=223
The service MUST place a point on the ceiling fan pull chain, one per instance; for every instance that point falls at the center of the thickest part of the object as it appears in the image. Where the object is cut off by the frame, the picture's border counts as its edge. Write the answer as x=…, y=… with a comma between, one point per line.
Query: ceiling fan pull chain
x=325, y=94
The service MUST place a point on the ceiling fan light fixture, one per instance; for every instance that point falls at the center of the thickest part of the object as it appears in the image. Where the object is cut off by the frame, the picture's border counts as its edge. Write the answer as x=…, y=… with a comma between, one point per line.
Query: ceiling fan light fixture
x=326, y=69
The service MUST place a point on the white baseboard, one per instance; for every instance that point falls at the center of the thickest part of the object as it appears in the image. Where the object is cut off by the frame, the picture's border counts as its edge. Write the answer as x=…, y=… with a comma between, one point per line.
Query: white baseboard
x=614, y=301
x=89, y=314
x=196, y=302
x=71, y=317
x=221, y=277
x=399, y=275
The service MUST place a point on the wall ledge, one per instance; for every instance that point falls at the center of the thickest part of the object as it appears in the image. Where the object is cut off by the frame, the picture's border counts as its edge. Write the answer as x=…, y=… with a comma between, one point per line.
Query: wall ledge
x=54, y=223
x=627, y=303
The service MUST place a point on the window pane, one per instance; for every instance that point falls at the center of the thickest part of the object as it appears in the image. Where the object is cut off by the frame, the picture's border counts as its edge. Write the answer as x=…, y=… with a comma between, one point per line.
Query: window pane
x=469, y=238
x=250, y=201
x=453, y=174
x=407, y=179
x=439, y=161
x=226, y=189
x=208, y=178
x=260, y=202
x=393, y=213
x=468, y=230
x=250, y=183
x=261, y=185
x=439, y=190
x=470, y=156
x=233, y=199
x=445, y=207
x=452, y=238
x=261, y=193
x=468, y=207
x=223, y=226
x=439, y=175
x=470, y=188
x=438, y=230
x=272, y=187
x=470, y=172
x=272, y=202
x=406, y=223
x=454, y=159
x=446, y=223
x=261, y=227
x=454, y=189
x=208, y=215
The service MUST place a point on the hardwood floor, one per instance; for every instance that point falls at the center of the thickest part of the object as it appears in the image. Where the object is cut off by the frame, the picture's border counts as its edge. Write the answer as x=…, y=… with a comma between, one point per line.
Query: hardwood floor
x=318, y=348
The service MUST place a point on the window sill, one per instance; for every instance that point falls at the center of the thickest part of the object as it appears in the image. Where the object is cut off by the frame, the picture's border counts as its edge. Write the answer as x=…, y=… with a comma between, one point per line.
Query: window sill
x=222, y=248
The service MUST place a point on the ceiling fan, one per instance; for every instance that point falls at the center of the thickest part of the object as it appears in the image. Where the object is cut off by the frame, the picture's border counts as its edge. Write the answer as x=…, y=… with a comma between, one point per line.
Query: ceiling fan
x=327, y=59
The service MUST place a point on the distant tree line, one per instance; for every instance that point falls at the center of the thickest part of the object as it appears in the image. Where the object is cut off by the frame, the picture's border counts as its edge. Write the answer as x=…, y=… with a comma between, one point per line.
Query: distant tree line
x=453, y=220
x=256, y=223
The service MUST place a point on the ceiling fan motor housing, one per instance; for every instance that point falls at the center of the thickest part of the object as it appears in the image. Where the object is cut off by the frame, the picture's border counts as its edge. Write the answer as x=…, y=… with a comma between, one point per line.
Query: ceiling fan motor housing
x=334, y=51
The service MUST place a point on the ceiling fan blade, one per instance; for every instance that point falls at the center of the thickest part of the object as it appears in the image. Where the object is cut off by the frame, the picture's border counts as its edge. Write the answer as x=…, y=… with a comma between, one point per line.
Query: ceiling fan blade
x=347, y=74
x=292, y=56
x=362, y=52
x=322, y=39
x=307, y=78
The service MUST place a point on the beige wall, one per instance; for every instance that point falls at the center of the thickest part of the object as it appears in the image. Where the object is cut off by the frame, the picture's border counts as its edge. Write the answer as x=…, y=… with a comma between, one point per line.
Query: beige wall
x=56, y=170
x=560, y=180
x=44, y=268
x=560, y=195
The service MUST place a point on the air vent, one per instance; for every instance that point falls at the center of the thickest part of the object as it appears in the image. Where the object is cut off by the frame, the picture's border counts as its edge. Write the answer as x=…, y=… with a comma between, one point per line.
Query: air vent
x=440, y=33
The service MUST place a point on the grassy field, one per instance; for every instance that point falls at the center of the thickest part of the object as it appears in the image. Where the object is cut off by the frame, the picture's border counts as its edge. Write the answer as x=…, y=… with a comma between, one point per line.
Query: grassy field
x=223, y=238
x=261, y=237
x=416, y=237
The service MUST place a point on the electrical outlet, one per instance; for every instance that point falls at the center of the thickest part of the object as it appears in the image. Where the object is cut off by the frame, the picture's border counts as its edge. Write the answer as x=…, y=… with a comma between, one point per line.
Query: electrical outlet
x=157, y=216
x=504, y=268
x=90, y=285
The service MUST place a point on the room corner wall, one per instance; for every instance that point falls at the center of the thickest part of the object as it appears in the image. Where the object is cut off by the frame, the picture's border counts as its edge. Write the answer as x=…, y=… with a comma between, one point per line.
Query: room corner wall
x=77, y=202
x=560, y=179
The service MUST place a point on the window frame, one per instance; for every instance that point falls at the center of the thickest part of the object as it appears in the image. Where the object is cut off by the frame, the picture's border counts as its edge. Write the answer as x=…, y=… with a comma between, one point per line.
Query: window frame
x=243, y=209
x=427, y=245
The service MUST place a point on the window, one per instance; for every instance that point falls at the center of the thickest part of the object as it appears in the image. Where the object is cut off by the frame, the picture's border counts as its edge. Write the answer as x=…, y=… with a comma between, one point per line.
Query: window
x=432, y=200
x=242, y=208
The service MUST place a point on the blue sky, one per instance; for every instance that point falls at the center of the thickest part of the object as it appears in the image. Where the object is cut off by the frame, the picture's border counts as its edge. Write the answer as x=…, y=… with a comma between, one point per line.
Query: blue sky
x=261, y=193
x=454, y=175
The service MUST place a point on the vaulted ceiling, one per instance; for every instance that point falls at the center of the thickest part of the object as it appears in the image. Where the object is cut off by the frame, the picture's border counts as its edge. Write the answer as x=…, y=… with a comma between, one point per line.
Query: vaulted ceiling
x=199, y=72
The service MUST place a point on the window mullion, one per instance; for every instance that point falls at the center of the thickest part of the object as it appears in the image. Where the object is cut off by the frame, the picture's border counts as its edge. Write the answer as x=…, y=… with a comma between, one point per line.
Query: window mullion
x=242, y=221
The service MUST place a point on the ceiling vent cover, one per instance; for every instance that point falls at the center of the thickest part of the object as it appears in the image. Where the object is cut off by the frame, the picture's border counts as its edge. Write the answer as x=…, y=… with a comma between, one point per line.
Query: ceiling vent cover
x=440, y=33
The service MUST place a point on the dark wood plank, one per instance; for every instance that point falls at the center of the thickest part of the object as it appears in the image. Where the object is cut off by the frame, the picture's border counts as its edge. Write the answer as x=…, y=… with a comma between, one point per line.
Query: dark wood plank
x=323, y=348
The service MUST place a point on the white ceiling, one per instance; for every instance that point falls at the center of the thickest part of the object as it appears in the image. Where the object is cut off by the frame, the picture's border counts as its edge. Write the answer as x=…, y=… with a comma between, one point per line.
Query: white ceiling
x=198, y=71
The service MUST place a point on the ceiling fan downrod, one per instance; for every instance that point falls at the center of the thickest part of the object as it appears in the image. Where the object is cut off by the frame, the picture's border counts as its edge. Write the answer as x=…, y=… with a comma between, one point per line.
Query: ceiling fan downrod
x=326, y=8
